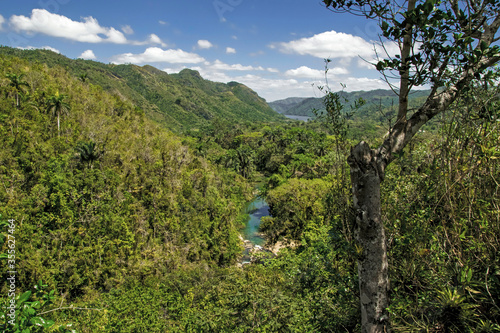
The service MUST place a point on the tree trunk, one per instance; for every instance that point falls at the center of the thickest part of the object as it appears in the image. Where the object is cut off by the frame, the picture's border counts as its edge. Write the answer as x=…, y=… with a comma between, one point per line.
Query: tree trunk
x=372, y=261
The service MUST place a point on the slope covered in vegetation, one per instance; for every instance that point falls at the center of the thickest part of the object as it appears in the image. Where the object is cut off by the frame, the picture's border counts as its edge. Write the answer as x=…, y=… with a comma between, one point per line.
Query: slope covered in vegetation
x=137, y=228
x=177, y=101
x=99, y=192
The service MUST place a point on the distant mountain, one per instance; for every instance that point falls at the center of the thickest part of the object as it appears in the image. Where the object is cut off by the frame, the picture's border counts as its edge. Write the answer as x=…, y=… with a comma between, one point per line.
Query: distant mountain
x=283, y=105
x=178, y=101
x=376, y=100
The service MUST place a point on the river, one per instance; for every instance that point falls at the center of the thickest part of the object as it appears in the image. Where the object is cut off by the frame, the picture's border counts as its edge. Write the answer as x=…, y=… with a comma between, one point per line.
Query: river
x=303, y=118
x=255, y=209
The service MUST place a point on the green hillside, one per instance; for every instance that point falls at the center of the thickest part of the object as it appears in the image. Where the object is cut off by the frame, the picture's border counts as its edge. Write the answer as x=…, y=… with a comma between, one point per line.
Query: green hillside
x=178, y=101
x=378, y=103
x=121, y=225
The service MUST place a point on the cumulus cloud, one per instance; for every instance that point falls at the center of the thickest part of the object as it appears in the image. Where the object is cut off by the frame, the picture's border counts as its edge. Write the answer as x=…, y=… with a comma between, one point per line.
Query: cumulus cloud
x=89, y=30
x=230, y=50
x=332, y=44
x=304, y=71
x=154, y=39
x=88, y=55
x=156, y=54
x=204, y=44
x=2, y=21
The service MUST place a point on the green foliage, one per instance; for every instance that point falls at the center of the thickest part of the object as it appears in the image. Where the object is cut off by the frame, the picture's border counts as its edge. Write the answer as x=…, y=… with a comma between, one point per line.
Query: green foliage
x=442, y=211
x=295, y=207
x=119, y=214
x=134, y=201
x=27, y=316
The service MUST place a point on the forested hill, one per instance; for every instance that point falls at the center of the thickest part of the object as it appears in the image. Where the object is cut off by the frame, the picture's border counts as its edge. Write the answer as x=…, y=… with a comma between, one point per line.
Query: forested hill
x=178, y=101
x=376, y=100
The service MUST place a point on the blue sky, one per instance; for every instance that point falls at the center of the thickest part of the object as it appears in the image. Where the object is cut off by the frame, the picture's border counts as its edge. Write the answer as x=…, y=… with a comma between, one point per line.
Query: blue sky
x=275, y=47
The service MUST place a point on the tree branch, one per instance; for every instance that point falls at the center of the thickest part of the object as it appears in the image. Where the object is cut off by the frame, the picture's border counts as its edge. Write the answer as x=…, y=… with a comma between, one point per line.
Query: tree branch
x=404, y=88
x=67, y=308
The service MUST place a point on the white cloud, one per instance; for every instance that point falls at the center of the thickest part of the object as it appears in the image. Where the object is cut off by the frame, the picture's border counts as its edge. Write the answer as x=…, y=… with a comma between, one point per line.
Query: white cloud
x=204, y=44
x=326, y=45
x=41, y=48
x=41, y=21
x=306, y=72
x=162, y=22
x=127, y=29
x=88, y=55
x=219, y=65
x=336, y=45
x=171, y=70
x=156, y=54
x=230, y=50
x=2, y=21
x=154, y=39
x=360, y=83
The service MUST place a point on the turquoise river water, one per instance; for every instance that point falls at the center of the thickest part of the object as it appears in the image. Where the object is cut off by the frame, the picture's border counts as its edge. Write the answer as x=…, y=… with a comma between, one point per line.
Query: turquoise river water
x=256, y=209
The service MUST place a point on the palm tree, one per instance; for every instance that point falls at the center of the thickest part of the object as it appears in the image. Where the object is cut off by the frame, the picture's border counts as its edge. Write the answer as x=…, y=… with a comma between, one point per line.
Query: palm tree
x=16, y=82
x=88, y=153
x=83, y=77
x=57, y=105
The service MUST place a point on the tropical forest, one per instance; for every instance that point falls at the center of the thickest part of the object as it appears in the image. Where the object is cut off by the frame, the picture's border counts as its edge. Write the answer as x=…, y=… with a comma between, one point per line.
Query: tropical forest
x=127, y=192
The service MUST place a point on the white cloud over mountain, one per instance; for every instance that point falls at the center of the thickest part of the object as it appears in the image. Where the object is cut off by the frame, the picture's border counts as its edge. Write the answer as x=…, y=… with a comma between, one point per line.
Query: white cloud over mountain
x=219, y=65
x=88, y=55
x=156, y=54
x=41, y=48
x=306, y=72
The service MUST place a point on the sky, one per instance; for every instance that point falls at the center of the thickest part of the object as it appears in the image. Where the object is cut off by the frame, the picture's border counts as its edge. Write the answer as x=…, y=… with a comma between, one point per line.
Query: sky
x=277, y=48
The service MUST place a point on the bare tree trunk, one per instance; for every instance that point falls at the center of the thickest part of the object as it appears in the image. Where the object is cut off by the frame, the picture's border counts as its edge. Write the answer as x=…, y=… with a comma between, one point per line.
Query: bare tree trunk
x=372, y=261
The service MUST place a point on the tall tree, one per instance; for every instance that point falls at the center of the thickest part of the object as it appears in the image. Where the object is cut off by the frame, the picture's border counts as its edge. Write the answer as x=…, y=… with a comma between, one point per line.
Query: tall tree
x=444, y=44
x=57, y=104
x=17, y=83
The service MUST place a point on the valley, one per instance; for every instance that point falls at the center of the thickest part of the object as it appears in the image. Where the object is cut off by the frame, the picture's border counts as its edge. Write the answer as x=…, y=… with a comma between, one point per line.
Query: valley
x=133, y=191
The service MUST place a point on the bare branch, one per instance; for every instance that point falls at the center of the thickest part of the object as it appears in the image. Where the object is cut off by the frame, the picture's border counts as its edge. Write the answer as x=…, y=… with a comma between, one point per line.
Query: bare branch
x=68, y=308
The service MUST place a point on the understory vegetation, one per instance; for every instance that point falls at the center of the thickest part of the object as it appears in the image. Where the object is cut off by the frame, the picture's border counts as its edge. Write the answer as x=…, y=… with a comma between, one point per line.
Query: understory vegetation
x=123, y=226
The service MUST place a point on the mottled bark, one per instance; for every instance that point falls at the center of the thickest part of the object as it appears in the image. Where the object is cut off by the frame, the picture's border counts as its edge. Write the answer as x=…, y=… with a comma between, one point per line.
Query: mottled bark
x=370, y=234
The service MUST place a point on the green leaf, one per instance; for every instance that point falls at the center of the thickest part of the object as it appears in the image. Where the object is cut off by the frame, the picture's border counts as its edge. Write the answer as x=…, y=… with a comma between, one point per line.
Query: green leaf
x=483, y=45
x=24, y=297
x=385, y=26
